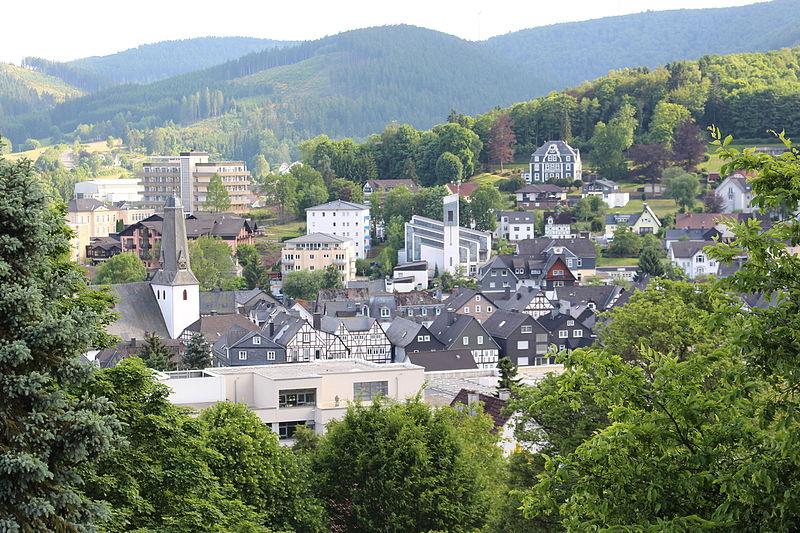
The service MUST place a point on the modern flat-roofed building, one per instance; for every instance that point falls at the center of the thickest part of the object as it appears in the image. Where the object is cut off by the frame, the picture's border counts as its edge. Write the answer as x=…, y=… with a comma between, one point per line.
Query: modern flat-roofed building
x=343, y=219
x=187, y=176
x=318, y=251
x=110, y=190
x=287, y=396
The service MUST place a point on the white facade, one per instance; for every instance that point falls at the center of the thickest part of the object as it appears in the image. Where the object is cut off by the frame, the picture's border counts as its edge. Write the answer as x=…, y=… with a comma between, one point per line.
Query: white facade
x=344, y=219
x=736, y=194
x=514, y=225
x=110, y=190
x=691, y=258
x=179, y=304
x=285, y=396
x=558, y=227
x=554, y=160
x=417, y=271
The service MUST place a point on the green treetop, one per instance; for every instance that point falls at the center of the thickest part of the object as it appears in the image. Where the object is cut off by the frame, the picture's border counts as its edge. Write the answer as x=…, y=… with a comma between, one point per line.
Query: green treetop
x=197, y=353
x=217, y=198
x=122, y=268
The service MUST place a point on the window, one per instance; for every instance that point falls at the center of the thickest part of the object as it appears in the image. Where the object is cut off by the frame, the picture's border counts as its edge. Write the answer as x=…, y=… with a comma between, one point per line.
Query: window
x=570, y=322
x=465, y=340
x=438, y=310
x=185, y=295
x=492, y=284
x=558, y=272
x=477, y=308
x=466, y=310
x=700, y=259
x=526, y=329
x=256, y=340
x=480, y=339
x=410, y=312
x=522, y=345
x=558, y=284
x=477, y=297
x=242, y=355
x=385, y=312
x=306, y=337
x=563, y=334
x=488, y=308
x=270, y=355
x=297, y=397
x=420, y=338
x=286, y=429
x=424, y=311
x=504, y=273
x=368, y=390
x=577, y=333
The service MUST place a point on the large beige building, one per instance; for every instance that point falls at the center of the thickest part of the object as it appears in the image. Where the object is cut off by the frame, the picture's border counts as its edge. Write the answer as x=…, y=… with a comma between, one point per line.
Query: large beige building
x=286, y=396
x=317, y=251
x=91, y=219
x=187, y=176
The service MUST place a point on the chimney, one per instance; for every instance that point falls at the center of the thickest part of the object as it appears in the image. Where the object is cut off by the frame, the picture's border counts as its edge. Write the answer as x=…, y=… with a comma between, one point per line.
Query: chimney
x=519, y=296
x=317, y=320
x=451, y=317
x=272, y=329
x=508, y=293
x=504, y=394
x=473, y=398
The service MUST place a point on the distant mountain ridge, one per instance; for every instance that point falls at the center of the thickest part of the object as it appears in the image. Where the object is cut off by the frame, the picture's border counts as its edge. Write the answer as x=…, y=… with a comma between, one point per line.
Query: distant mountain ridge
x=151, y=62
x=570, y=53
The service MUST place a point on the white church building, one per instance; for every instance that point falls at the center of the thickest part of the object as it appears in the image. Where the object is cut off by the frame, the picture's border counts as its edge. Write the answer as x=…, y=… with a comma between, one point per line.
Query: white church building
x=445, y=245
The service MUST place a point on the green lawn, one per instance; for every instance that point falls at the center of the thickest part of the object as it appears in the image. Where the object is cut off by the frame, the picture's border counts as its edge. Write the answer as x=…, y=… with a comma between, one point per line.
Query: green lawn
x=616, y=261
x=660, y=206
x=278, y=231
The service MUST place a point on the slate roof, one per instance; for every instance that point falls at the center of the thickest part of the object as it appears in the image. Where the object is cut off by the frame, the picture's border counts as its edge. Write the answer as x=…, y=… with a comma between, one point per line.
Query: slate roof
x=520, y=299
x=516, y=217
x=214, y=326
x=601, y=295
x=686, y=249
x=691, y=234
x=388, y=185
x=411, y=298
x=85, y=204
x=600, y=184
x=416, y=265
x=105, y=243
x=448, y=326
x=615, y=219
x=340, y=205
x=217, y=302
x=402, y=332
x=463, y=296
x=111, y=356
x=562, y=147
x=443, y=360
x=540, y=188
x=139, y=312
x=741, y=182
x=283, y=328
x=494, y=407
x=564, y=217
x=706, y=220
x=503, y=323
x=224, y=225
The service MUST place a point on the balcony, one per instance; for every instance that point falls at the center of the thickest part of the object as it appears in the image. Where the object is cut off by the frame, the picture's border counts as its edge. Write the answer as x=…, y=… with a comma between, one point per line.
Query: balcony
x=287, y=261
x=340, y=261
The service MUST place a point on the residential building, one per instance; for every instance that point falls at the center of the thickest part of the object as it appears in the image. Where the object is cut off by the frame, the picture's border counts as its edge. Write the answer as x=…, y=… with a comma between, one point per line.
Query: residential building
x=383, y=187
x=419, y=306
x=187, y=176
x=720, y=221
x=554, y=160
x=302, y=341
x=471, y=303
x=342, y=219
x=558, y=225
x=514, y=225
x=692, y=259
x=143, y=237
x=101, y=249
x=496, y=408
x=736, y=193
x=462, y=332
x=529, y=300
x=242, y=347
x=641, y=223
x=131, y=214
x=318, y=251
x=608, y=190
x=520, y=337
x=417, y=271
x=610, y=273
x=567, y=332
x=595, y=297
x=445, y=246
x=409, y=337
x=214, y=327
x=89, y=219
x=289, y=396
x=580, y=255
x=540, y=196
x=110, y=190
x=505, y=274
x=362, y=336
x=692, y=235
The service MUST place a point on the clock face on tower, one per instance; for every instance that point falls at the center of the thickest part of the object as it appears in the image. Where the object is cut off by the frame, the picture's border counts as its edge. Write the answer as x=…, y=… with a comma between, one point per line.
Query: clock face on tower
x=182, y=265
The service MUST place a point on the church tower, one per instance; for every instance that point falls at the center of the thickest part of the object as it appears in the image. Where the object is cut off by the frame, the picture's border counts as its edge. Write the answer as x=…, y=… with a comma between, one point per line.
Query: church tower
x=451, y=233
x=176, y=289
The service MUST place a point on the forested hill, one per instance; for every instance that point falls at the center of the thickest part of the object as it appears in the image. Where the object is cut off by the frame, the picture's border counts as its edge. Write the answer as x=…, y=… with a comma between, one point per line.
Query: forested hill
x=152, y=62
x=567, y=54
x=23, y=90
x=350, y=84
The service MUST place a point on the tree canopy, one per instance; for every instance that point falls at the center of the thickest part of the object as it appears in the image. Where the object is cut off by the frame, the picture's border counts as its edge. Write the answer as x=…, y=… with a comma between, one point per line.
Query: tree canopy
x=121, y=268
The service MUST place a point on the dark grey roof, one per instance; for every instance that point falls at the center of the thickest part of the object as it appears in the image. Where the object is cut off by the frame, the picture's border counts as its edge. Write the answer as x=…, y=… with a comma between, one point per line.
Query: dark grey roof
x=564, y=217
x=687, y=249
x=616, y=219
x=338, y=204
x=562, y=147
x=540, y=188
x=416, y=265
x=405, y=299
x=461, y=297
x=85, y=204
x=246, y=295
x=448, y=326
x=503, y=323
x=492, y=406
x=174, y=257
x=318, y=237
x=214, y=326
x=283, y=328
x=139, y=312
x=691, y=234
x=601, y=295
x=444, y=360
x=740, y=181
x=217, y=302
x=520, y=299
x=106, y=243
x=401, y=332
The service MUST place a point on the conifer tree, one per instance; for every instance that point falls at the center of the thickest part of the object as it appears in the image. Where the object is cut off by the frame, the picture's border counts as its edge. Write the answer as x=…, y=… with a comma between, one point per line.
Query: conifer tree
x=48, y=317
x=217, y=197
x=155, y=354
x=508, y=374
x=197, y=354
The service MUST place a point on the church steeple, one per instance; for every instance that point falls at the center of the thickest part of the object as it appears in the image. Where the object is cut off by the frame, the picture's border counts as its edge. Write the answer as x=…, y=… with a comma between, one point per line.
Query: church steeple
x=174, y=257
x=175, y=287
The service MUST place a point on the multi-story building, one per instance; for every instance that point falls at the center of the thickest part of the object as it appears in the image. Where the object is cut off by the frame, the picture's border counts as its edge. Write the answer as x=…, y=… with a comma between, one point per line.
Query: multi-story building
x=692, y=258
x=608, y=190
x=554, y=160
x=187, y=176
x=541, y=196
x=305, y=394
x=514, y=225
x=736, y=194
x=445, y=245
x=318, y=251
x=382, y=187
x=89, y=219
x=110, y=190
x=342, y=219
x=558, y=225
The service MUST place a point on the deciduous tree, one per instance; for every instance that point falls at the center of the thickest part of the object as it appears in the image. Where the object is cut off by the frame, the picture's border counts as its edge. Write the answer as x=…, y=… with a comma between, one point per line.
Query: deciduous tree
x=217, y=198
x=121, y=268
x=501, y=137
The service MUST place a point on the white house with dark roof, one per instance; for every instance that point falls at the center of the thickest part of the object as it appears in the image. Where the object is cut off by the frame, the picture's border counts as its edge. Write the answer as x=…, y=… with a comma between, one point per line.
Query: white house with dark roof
x=558, y=225
x=608, y=190
x=343, y=219
x=736, y=194
x=690, y=257
x=514, y=225
x=641, y=223
x=554, y=160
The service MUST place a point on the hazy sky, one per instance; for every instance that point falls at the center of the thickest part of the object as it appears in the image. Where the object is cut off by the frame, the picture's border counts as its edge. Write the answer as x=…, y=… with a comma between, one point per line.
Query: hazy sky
x=69, y=30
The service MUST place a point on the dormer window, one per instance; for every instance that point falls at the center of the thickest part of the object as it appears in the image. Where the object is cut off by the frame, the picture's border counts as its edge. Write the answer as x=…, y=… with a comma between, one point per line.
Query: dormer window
x=256, y=340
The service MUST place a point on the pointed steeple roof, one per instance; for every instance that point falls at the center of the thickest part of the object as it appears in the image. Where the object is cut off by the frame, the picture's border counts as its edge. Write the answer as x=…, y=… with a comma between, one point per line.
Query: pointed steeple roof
x=174, y=258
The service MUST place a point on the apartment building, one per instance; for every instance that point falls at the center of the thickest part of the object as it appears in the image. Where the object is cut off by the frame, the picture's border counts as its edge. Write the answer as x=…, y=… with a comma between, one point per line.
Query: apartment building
x=318, y=251
x=342, y=219
x=187, y=176
x=110, y=190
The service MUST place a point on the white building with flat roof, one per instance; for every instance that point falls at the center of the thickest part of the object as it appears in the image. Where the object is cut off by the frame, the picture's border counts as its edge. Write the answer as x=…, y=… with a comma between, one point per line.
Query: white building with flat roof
x=286, y=396
x=110, y=190
x=344, y=219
